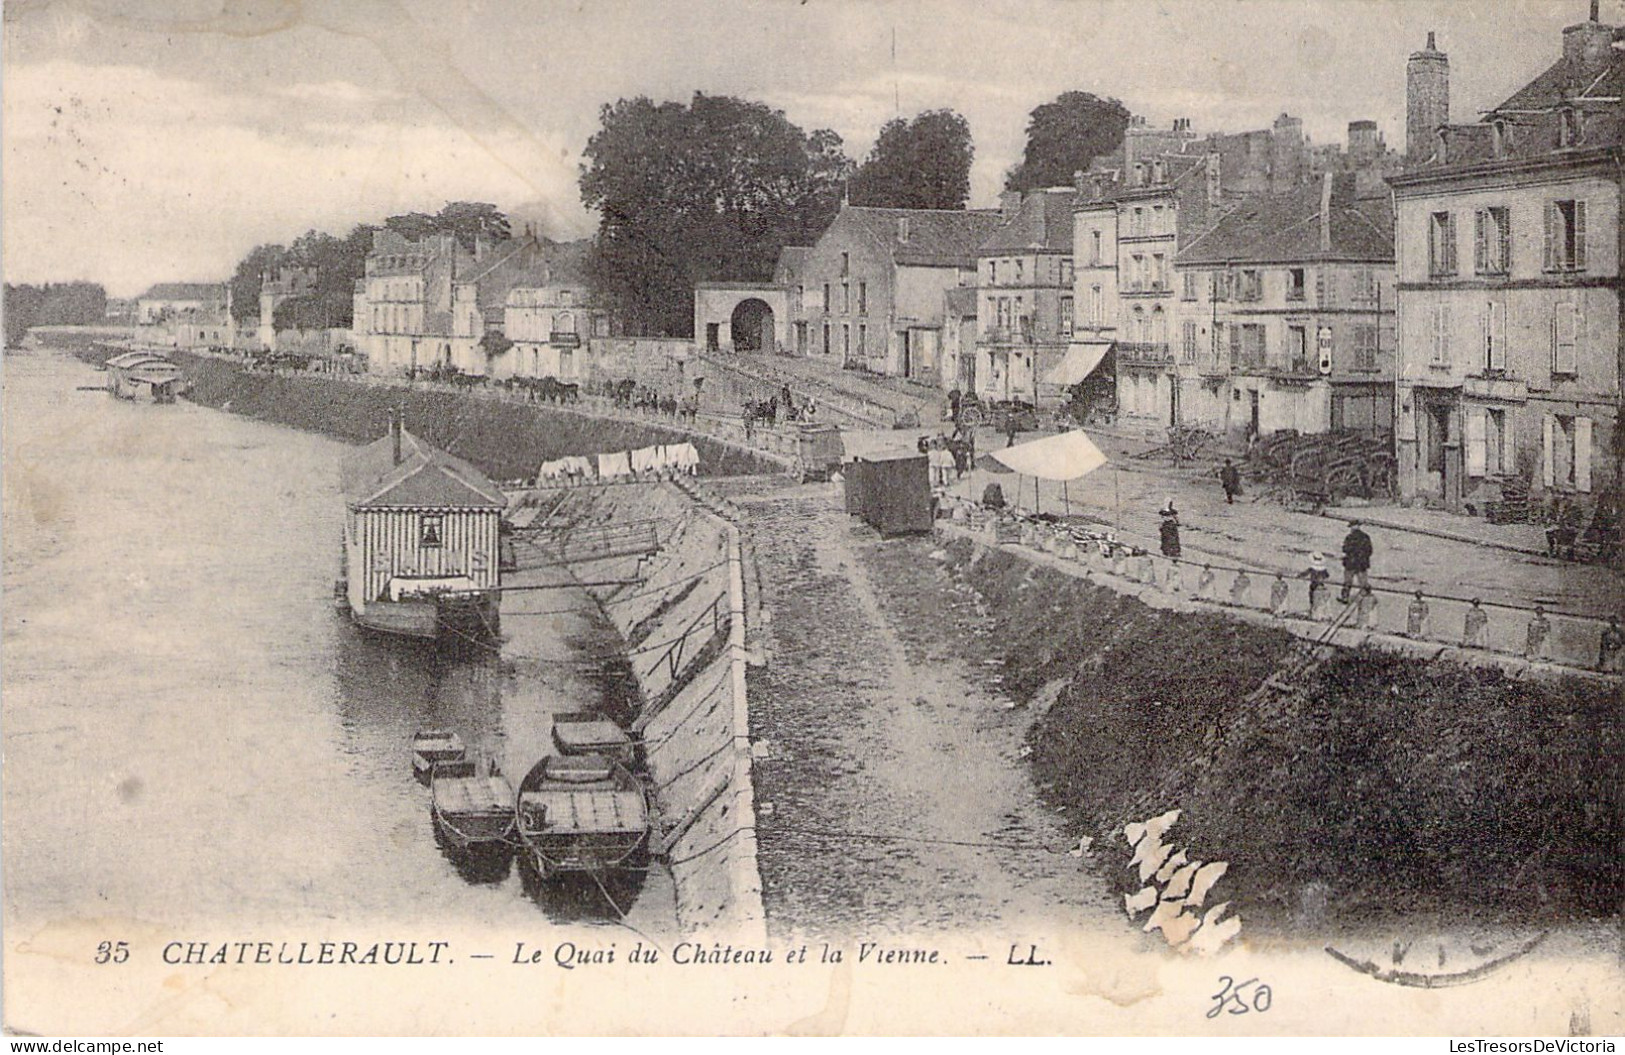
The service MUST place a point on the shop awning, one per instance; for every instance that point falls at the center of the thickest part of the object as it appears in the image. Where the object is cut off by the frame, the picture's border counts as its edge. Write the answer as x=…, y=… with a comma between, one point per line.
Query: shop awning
x=1065, y=456
x=1080, y=362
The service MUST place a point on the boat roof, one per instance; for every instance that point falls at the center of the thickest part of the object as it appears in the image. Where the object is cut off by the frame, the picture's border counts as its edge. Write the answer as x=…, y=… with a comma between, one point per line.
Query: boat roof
x=425, y=477
x=127, y=359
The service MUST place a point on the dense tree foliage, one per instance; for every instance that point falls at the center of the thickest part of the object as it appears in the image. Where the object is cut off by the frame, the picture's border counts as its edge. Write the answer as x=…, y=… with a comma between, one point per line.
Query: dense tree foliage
x=465, y=219
x=336, y=263
x=708, y=191
x=923, y=163
x=1064, y=137
x=53, y=304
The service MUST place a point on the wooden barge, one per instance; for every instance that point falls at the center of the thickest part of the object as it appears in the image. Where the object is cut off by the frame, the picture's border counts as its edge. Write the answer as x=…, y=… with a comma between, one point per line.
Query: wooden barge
x=144, y=376
x=472, y=805
x=582, y=813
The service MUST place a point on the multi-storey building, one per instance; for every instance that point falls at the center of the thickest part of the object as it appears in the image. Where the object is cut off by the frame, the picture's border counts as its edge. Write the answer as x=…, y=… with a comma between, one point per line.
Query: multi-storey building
x=1025, y=297
x=1508, y=248
x=873, y=284
x=1147, y=212
x=550, y=317
x=1094, y=259
x=431, y=302
x=1285, y=315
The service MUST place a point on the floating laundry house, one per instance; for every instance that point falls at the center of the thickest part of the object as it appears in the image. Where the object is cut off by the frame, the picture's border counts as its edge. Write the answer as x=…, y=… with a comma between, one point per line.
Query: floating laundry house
x=421, y=541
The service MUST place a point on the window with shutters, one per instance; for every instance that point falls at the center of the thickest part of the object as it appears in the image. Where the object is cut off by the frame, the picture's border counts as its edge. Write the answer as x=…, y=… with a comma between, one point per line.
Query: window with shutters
x=1221, y=285
x=863, y=298
x=1235, y=347
x=1251, y=286
x=1187, y=289
x=1565, y=235
x=1094, y=248
x=1189, y=330
x=1066, y=271
x=1441, y=245
x=1296, y=283
x=1066, y=315
x=1492, y=241
x=1441, y=335
x=1365, y=347
x=1495, y=327
x=1096, y=305
x=1216, y=349
x=1565, y=339
x=430, y=528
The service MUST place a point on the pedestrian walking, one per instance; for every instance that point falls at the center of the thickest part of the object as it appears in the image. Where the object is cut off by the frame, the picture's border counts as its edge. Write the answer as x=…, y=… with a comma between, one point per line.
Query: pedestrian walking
x=1356, y=559
x=1230, y=480
x=1416, y=617
x=1318, y=577
x=1010, y=430
x=1475, y=626
x=1612, y=645
x=1168, y=530
x=1540, y=628
x=1238, y=589
x=1204, y=585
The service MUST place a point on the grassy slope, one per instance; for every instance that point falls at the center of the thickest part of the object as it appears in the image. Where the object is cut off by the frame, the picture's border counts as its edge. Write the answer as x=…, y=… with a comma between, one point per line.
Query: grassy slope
x=508, y=440
x=1395, y=784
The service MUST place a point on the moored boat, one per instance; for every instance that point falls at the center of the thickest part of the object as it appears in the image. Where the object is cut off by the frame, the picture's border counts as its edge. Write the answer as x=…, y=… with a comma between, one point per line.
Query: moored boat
x=581, y=813
x=431, y=746
x=586, y=733
x=473, y=804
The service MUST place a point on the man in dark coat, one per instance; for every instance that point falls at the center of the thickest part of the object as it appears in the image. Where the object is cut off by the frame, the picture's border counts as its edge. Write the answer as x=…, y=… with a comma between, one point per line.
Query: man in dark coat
x=1169, y=531
x=1356, y=559
x=1230, y=480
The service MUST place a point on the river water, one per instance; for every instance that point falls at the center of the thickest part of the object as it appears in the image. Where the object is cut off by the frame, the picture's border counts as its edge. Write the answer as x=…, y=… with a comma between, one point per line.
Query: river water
x=193, y=733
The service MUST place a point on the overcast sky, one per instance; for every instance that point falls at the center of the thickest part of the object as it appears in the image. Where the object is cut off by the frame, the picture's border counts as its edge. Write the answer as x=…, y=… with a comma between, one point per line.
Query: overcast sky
x=158, y=140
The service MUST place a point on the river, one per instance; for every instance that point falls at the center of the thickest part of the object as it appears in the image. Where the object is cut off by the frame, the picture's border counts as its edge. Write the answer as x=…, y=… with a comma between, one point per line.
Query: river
x=194, y=734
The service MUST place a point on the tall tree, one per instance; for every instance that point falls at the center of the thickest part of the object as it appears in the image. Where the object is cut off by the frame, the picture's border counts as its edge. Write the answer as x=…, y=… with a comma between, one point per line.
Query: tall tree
x=1064, y=137
x=923, y=163
x=249, y=276
x=707, y=191
x=466, y=219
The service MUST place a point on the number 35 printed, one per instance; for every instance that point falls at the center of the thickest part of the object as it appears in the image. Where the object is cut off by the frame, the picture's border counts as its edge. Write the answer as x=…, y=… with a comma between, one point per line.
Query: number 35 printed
x=1240, y=998
x=112, y=952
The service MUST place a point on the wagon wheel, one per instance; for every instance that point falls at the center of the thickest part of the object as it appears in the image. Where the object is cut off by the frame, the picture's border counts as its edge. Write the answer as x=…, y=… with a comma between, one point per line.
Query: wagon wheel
x=1343, y=481
x=971, y=416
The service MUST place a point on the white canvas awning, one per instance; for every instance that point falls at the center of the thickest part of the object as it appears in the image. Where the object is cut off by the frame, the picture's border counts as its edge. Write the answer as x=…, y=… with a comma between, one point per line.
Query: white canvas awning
x=1080, y=362
x=1065, y=456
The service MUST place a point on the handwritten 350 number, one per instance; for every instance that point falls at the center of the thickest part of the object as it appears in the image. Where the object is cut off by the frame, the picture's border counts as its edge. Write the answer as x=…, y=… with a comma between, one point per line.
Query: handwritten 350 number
x=1240, y=998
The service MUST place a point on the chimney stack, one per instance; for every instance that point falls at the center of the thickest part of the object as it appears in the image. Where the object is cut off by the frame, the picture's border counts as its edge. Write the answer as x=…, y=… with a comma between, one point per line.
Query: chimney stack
x=396, y=427
x=1009, y=203
x=1587, y=50
x=1427, y=100
x=1326, y=212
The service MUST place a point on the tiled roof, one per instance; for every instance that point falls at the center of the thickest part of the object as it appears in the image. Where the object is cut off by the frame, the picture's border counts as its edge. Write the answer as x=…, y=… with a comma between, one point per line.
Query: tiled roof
x=1044, y=222
x=186, y=291
x=567, y=262
x=426, y=477
x=1287, y=228
x=936, y=237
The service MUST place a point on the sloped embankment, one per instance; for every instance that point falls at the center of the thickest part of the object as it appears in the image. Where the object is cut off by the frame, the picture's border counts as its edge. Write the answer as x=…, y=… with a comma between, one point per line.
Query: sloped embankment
x=506, y=439
x=1391, y=784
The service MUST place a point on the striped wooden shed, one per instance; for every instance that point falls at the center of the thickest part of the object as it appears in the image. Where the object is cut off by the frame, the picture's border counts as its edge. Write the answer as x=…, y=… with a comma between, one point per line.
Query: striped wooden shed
x=420, y=540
